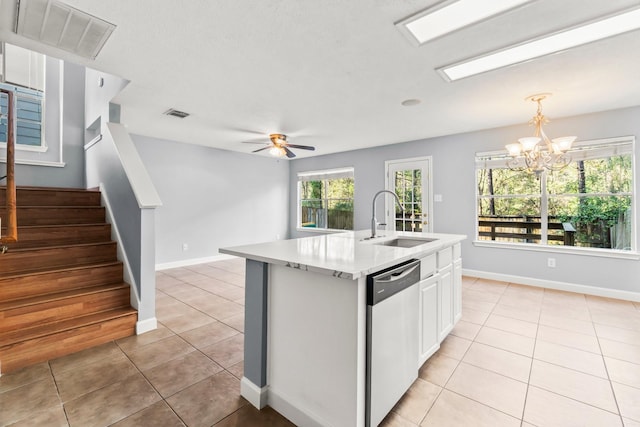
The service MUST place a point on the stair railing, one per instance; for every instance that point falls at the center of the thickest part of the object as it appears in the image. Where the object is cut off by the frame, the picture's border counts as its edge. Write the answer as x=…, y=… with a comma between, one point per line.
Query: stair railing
x=11, y=235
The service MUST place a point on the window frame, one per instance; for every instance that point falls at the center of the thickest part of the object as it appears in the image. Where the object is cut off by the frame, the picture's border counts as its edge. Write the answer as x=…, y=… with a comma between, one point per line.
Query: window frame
x=322, y=175
x=545, y=196
x=15, y=88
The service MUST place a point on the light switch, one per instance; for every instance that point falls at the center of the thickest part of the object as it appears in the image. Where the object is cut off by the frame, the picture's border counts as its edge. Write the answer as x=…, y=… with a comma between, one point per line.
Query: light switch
x=437, y=197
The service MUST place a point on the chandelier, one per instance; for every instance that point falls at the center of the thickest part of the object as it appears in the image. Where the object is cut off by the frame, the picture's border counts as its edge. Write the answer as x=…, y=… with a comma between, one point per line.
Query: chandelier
x=536, y=153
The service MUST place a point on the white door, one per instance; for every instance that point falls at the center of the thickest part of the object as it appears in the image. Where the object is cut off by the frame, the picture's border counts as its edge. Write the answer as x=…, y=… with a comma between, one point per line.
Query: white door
x=410, y=179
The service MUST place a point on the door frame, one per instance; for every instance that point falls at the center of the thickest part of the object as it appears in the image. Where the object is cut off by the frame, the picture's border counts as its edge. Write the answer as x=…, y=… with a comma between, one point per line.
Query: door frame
x=427, y=190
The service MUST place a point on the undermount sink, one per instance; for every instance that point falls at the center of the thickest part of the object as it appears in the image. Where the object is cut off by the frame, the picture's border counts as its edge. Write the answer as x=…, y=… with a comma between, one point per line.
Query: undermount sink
x=406, y=242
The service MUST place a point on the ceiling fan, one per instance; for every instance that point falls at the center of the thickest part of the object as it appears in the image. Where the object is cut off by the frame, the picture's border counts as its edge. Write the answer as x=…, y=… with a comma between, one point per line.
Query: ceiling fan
x=279, y=147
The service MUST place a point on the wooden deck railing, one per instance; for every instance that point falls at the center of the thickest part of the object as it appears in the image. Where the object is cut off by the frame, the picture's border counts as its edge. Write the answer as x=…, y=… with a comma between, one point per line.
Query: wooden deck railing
x=10, y=220
x=524, y=228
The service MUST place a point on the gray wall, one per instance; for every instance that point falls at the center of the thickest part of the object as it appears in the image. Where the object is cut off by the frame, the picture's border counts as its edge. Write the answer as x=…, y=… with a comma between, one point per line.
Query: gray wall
x=72, y=111
x=213, y=198
x=454, y=178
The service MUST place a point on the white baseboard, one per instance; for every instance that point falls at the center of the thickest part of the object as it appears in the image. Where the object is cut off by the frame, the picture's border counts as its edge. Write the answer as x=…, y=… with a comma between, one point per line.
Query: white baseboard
x=146, y=325
x=255, y=395
x=294, y=413
x=550, y=284
x=193, y=261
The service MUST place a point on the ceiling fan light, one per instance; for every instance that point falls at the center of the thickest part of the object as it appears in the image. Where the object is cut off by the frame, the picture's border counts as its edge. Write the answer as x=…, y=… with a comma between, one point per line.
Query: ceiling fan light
x=529, y=143
x=276, y=151
x=564, y=143
x=514, y=149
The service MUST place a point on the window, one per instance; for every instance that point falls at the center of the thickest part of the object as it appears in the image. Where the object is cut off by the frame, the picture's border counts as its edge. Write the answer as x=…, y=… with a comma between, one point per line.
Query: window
x=588, y=204
x=22, y=72
x=325, y=199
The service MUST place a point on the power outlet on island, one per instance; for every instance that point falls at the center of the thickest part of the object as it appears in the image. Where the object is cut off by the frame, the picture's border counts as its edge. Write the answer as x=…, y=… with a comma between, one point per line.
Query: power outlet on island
x=551, y=262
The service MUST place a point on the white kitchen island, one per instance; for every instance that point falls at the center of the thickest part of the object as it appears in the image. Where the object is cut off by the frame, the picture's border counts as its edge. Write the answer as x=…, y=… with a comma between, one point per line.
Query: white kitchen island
x=306, y=322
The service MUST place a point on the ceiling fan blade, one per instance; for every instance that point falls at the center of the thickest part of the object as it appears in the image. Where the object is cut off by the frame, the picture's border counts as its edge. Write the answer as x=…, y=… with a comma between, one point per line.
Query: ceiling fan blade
x=302, y=147
x=260, y=149
x=289, y=152
x=255, y=142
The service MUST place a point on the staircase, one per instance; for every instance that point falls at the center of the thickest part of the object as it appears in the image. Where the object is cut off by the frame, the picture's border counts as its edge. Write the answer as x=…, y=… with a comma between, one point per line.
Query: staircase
x=61, y=287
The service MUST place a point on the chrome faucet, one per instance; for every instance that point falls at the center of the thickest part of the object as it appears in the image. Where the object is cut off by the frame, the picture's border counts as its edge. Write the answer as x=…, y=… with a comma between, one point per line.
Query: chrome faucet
x=374, y=221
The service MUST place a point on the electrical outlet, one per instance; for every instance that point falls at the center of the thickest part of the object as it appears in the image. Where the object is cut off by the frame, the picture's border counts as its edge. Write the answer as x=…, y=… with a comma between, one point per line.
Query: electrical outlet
x=551, y=262
x=185, y=247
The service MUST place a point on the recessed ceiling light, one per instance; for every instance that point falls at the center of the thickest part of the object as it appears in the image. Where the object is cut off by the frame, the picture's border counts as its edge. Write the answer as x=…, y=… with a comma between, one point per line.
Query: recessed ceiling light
x=563, y=40
x=449, y=16
x=410, y=102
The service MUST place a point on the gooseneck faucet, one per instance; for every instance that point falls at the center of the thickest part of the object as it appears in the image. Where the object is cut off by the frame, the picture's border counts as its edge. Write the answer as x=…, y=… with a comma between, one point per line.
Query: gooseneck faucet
x=374, y=221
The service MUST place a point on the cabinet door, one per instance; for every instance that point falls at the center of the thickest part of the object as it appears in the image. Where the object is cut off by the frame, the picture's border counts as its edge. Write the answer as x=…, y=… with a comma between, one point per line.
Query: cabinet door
x=428, y=328
x=457, y=290
x=445, y=302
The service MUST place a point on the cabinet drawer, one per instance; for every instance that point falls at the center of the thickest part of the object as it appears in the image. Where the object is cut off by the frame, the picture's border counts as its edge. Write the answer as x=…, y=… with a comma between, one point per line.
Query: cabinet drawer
x=427, y=266
x=444, y=257
x=457, y=251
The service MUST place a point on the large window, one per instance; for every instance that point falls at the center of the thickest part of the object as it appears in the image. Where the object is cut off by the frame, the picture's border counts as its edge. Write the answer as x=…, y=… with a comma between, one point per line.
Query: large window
x=588, y=204
x=325, y=199
x=22, y=72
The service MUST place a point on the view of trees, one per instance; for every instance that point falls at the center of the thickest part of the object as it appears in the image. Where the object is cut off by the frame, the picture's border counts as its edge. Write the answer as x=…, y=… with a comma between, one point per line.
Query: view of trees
x=327, y=203
x=593, y=195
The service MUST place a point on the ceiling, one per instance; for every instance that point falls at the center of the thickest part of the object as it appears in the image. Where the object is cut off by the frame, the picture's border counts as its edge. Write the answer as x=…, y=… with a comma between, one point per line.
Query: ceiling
x=333, y=73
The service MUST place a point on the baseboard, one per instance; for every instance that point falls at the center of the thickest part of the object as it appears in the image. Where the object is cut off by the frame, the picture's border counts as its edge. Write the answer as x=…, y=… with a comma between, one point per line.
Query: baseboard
x=146, y=325
x=293, y=413
x=193, y=261
x=255, y=395
x=551, y=284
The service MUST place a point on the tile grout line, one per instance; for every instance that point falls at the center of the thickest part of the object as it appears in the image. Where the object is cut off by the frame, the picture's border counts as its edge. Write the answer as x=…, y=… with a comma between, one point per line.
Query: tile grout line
x=606, y=368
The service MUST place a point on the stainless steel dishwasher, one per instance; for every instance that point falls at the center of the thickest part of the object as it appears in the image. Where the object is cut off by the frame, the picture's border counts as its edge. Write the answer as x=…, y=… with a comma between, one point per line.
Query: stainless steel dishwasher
x=392, y=337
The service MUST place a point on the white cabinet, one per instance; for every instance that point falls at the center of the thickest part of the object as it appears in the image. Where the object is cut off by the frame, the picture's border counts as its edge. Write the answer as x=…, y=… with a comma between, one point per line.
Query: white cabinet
x=457, y=290
x=445, y=302
x=428, y=329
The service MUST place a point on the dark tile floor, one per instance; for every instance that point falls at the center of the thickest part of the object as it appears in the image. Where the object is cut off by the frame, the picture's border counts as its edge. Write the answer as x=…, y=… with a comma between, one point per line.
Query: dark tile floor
x=520, y=357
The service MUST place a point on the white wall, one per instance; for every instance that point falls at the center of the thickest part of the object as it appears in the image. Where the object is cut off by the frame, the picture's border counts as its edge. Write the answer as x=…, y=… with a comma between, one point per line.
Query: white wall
x=454, y=179
x=213, y=198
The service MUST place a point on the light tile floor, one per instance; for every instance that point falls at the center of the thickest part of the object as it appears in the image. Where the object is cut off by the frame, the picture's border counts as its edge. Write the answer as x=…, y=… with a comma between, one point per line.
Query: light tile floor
x=524, y=356
x=520, y=356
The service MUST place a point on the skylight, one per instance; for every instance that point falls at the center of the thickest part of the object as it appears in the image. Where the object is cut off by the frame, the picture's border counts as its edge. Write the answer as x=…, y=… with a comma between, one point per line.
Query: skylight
x=563, y=40
x=448, y=17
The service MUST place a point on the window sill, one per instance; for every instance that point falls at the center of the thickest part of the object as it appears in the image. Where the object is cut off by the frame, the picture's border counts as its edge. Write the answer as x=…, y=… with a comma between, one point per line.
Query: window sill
x=320, y=230
x=602, y=253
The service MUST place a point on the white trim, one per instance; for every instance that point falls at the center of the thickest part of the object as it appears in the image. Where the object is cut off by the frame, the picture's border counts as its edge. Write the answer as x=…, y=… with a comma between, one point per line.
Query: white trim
x=293, y=412
x=560, y=249
x=551, y=284
x=36, y=163
x=320, y=230
x=255, y=395
x=146, y=325
x=93, y=142
x=193, y=261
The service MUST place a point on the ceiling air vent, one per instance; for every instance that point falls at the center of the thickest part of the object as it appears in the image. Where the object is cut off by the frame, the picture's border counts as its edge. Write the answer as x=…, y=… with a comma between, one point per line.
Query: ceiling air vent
x=176, y=113
x=62, y=26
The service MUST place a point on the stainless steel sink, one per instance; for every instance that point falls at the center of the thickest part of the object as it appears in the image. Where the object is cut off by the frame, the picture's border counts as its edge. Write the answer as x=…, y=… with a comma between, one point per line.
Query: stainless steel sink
x=406, y=242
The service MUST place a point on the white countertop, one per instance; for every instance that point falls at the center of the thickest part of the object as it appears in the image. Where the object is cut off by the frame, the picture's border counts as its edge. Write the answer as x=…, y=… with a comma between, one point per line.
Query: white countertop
x=343, y=254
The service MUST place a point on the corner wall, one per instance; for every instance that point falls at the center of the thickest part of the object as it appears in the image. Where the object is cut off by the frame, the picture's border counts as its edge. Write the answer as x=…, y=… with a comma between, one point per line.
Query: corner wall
x=213, y=198
x=454, y=179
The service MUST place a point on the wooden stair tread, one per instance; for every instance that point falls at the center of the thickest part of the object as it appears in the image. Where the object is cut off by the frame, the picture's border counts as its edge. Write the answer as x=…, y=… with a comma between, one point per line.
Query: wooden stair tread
x=26, y=334
x=39, y=299
x=61, y=285
x=59, y=269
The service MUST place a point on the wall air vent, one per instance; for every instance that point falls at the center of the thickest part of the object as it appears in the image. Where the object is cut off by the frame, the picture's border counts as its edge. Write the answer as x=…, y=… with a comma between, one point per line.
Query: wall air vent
x=62, y=26
x=176, y=113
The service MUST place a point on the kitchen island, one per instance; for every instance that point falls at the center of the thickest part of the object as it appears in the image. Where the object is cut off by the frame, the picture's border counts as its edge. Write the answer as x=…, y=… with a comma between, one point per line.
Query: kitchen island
x=306, y=318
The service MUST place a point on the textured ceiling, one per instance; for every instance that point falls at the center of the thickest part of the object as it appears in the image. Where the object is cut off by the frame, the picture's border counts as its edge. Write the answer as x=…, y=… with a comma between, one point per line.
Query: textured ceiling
x=333, y=73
